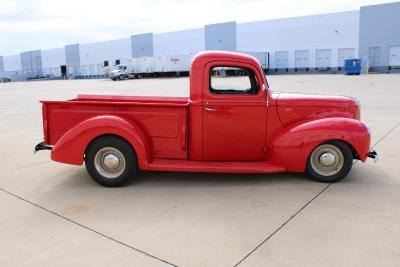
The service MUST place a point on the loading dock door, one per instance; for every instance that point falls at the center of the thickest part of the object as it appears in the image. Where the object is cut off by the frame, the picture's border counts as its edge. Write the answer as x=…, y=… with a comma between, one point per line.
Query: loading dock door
x=374, y=56
x=323, y=58
x=63, y=69
x=301, y=59
x=98, y=70
x=92, y=70
x=84, y=70
x=345, y=53
x=281, y=60
x=71, y=71
x=394, y=56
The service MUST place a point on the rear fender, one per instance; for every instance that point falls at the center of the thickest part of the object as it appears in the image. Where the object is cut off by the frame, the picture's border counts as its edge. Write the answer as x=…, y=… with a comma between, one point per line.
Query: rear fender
x=72, y=145
x=292, y=145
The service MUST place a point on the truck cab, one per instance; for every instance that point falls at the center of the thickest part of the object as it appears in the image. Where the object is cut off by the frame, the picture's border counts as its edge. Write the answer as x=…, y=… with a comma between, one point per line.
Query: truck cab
x=231, y=122
x=228, y=102
x=121, y=72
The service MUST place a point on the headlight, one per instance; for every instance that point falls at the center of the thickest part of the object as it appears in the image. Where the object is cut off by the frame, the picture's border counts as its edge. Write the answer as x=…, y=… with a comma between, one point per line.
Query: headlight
x=356, y=100
x=368, y=128
x=357, y=114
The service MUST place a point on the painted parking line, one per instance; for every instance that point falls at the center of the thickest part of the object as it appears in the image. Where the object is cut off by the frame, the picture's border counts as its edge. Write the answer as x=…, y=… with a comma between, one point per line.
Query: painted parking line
x=304, y=206
x=87, y=228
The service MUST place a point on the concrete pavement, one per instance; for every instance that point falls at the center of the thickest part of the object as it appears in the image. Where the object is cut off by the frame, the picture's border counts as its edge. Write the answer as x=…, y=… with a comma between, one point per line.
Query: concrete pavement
x=54, y=214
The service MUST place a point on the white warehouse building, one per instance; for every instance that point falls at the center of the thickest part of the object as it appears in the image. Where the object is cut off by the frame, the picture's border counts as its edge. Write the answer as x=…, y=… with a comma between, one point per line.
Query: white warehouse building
x=52, y=59
x=308, y=44
x=303, y=42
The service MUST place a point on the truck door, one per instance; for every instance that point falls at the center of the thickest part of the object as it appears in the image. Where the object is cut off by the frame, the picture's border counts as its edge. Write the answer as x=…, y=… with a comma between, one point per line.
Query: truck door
x=234, y=114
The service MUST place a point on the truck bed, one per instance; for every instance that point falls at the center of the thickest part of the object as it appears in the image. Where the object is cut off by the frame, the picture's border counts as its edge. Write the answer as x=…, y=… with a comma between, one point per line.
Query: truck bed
x=162, y=119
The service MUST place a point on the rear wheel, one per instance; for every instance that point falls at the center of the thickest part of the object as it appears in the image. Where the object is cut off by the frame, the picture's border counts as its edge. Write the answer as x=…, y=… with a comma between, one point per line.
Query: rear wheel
x=110, y=161
x=330, y=162
x=121, y=77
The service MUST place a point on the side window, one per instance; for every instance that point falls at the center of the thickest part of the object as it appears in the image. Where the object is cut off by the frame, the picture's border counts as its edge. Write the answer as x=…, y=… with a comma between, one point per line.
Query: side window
x=231, y=80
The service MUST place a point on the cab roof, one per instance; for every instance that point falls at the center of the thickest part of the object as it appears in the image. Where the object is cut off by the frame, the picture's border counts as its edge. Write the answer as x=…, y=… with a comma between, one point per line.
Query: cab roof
x=207, y=56
x=202, y=59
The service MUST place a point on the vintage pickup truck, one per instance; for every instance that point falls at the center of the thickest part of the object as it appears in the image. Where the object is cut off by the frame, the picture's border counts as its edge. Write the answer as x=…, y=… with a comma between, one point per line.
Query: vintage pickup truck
x=231, y=123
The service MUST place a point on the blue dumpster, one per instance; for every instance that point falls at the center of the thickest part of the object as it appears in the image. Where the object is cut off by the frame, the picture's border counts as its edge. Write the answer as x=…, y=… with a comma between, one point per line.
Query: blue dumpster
x=352, y=66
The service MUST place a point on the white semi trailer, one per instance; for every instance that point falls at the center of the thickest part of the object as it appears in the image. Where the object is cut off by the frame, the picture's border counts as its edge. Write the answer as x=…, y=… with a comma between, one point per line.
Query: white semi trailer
x=263, y=57
x=132, y=68
x=174, y=65
x=165, y=66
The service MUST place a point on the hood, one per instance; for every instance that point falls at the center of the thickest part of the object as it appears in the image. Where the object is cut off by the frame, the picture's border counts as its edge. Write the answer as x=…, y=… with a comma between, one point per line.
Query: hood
x=293, y=107
x=315, y=100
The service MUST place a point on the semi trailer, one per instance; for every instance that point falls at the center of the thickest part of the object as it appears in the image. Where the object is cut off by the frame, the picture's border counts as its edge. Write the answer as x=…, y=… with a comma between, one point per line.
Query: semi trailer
x=166, y=66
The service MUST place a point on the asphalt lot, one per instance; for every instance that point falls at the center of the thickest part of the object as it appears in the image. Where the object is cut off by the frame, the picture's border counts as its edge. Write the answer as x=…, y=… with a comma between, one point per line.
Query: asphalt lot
x=55, y=215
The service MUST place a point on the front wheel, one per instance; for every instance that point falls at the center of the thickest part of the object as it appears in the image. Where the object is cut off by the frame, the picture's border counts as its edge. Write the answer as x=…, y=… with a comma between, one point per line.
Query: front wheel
x=330, y=162
x=110, y=161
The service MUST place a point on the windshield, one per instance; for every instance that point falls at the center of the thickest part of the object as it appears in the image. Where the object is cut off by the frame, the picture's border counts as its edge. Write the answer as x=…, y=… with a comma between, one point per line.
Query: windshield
x=119, y=67
x=266, y=80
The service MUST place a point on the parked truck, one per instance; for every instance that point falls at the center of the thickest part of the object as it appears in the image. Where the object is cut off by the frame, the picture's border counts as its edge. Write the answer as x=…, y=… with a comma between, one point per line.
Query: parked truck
x=233, y=124
x=124, y=71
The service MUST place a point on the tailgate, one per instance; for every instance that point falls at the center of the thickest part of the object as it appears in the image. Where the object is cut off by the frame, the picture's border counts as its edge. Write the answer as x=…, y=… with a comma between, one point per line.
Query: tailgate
x=45, y=123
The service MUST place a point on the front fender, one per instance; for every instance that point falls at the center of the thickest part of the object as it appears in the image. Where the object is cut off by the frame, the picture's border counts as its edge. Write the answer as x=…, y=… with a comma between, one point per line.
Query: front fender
x=72, y=145
x=292, y=145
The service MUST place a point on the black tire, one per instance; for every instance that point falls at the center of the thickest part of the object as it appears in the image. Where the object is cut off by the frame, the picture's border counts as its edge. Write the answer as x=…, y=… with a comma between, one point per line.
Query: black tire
x=340, y=150
x=121, y=77
x=114, y=147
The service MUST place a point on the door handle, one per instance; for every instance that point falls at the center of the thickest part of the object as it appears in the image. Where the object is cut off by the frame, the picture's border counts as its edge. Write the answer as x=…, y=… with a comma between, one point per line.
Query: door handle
x=209, y=109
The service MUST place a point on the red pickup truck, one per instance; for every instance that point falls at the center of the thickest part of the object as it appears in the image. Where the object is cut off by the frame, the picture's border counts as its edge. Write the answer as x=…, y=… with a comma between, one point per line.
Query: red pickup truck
x=230, y=123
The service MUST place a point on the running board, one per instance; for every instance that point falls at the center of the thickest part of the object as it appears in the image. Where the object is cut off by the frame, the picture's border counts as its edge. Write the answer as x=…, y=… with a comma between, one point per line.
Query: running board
x=176, y=165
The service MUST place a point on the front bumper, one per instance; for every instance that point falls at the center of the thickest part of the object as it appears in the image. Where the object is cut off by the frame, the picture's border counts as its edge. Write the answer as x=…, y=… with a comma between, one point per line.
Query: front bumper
x=373, y=155
x=116, y=74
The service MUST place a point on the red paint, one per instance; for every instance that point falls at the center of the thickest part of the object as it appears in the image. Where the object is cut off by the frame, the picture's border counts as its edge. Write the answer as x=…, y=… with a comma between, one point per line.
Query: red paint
x=71, y=147
x=260, y=133
x=299, y=139
x=297, y=107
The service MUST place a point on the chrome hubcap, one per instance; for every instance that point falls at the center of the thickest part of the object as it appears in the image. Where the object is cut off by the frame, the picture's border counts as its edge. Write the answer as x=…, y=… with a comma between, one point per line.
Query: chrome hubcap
x=109, y=162
x=327, y=160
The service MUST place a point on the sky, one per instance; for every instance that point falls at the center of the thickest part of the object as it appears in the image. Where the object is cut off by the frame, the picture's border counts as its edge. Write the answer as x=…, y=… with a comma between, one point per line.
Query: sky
x=45, y=24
